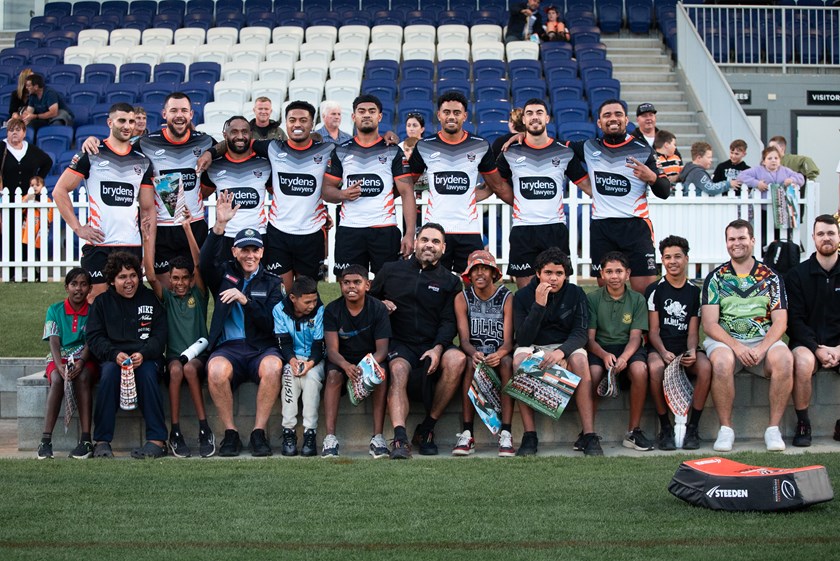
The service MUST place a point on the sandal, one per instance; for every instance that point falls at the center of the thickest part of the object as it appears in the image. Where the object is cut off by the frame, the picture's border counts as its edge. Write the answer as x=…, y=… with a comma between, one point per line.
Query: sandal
x=103, y=450
x=149, y=450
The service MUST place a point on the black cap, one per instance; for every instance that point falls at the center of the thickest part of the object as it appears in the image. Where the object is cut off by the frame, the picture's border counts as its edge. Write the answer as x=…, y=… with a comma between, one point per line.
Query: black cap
x=645, y=108
x=248, y=237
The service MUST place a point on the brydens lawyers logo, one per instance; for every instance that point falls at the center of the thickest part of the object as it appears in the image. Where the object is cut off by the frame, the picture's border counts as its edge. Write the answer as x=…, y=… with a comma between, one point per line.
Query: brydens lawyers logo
x=717, y=493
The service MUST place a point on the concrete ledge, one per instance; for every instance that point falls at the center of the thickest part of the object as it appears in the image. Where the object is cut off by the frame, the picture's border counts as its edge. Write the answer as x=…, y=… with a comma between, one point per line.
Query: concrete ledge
x=355, y=423
x=10, y=370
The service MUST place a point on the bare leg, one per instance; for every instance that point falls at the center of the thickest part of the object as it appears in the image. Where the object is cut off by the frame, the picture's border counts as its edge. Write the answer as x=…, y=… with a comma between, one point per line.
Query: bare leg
x=288, y=279
x=176, y=378
x=332, y=394
x=656, y=368
x=579, y=364
x=723, y=383
x=452, y=365
x=522, y=282
x=639, y=284
x=219, y=376
x=702, y=369
x=54, y=398
x=398, y=391
x=779, y=364
x=505, y=374
x=380, y=400
x=270, y=384
x=466, y=404
x=638, y=392
x=804, y=366
x=84, y=398
x=191, y=371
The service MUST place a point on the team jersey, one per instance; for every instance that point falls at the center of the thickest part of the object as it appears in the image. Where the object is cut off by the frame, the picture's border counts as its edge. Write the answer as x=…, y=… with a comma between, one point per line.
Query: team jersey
x=453, y=170
x=246, y=180
x=376, y=167
x=168, y=157
x=616, y=192
x=68, y=325
x=487, y=319
x=536, y=175
x=676, y=307
x=746, y=302
x=113, y=184
x=297, y=175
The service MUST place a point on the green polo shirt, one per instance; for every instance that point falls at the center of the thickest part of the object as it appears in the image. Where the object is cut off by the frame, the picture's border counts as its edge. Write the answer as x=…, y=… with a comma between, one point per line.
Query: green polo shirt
x=68, y=325
x=613, y=319
x=186, y=318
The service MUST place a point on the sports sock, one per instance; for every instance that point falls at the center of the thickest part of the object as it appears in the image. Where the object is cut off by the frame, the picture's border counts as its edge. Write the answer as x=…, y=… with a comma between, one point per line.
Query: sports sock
x=694, y=417
x=85, y=437
x=664, y=421
x=802, y=416
x=428, y=423
x=46, y=437
x=203, y=425
x=468, y=426
x=506, y=427
x=176, y=429
x=399, y=433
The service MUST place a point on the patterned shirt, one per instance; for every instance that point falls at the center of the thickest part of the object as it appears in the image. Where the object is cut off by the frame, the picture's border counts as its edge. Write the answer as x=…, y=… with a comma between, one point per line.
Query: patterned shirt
x=487, y=319
x=246, y=180
x=68, y=325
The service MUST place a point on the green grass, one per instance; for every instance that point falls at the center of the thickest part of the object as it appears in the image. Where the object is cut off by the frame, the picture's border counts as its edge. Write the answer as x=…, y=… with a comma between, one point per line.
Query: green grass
x=542, y=508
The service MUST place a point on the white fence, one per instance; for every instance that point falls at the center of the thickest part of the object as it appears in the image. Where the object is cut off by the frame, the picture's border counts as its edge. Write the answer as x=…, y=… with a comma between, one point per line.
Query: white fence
x=698, y=218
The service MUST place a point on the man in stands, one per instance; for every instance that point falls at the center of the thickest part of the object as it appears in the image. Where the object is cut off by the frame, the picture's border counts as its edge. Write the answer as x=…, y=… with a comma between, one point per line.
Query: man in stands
x=813, y=289
x=646, y=128
x=525, y=20
x=263, y=127
x=119, y=185
x=46, y=106
x=744, y=315
x=331, y=121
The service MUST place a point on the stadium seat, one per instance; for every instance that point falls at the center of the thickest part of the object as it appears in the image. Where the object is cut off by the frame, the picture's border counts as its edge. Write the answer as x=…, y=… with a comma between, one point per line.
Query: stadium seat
x=260, y=20
x=528, y=89
x=488, y=50
x=610, y=15
x=579, y=17
x=418, y=70
x=276, y=71
x=200, y=92
x=73, y=23
x=128, y=38
x=493, y=16
x=419, y=33
x=212, y=53
x=595, y=70
x=489, y=69
x=559, y=68
x=306, y=90
x=485, y=32
x=157, y=36
x=43, y=24
x=384, y=89
x=181, y=54
x=419, y=51
x=274, y=90
x=350, y=51
x=454, y=85
x=14, y=57
x=340, y=70
x=342, y=91
x=389, y=17
x=46, y=57
x=54, y=138
x=172, y=7
x=555, y=49
x=233, y=92
x=420, y=17
x=316, y=52
x=354, y=33
x=321, y=34
x=416, y=90
x=486, y=90
x=576, y=131
x=588, y=51
x=58, y=9
x=255, y=36
x=100, y=73
x=139, y=22
x=639, y=16
x=230, y=20
x=522, y=50
x=93, y=38
x=120, y=93
x=205, y=72
x=105, y=23
x=565, y=90
x=585, y=34
x=316, y=71
x=169, y=72
x=81, y=56
x=286, y=53
x=86, y=94
x=571, y=111
x=382, y=69
x=150, y=55
x=382, y=50
x=453, y=33
x=222, y=36
x=29, y=39
x=200, y=20
x=598, y=91
x=491, y=130
x=492, y=110
x=116, y=7
x=523, y=69
x=87, y=8
x=65, y=74
x=247, y=53
x=135, y=73
x=387, y=33
x=453, y=50
x=156, y=92
x=453, y=70
x=60, y=39
x=191, y=36
x=291, y=18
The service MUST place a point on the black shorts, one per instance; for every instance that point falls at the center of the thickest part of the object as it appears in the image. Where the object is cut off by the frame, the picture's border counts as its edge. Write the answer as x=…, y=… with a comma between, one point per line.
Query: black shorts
x=421, y=384
x=171, y=241
x=291, y=252
x=526, y=242
x=631, y=236
x=639, y=356
x=94, y=258
x=202, y=372
x=458, y=249
x=245, y=360
x=369, y=247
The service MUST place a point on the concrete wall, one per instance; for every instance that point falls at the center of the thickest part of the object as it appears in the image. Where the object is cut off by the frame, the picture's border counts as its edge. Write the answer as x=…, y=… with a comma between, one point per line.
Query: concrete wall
x=10, y=370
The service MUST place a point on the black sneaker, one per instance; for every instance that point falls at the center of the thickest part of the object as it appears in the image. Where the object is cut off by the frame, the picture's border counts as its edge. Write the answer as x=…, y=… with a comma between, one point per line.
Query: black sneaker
x=206, y=443
x=665, y=439
x=637, y=440
x=179, y=446
x=529, y=445
x=289, y=443
x=837, y=430
x=692, y=438
x=425, y=441
x=802, y=438
x=45, y=451
x=149, y=451
x=591, y=445
x=83, y=450
x=400, y=450
x=578, y=445
x=231, y=444
x=259, y=444
x=309, y=447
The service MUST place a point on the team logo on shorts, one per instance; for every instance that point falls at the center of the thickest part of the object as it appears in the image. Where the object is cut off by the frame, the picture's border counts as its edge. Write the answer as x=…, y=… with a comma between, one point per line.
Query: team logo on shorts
x=196, y=152
x=651, y=264
x=383, y=159
x=318, y=159
x=627, y=319
x=555, y=161
x=471, y=156
x=138, y=170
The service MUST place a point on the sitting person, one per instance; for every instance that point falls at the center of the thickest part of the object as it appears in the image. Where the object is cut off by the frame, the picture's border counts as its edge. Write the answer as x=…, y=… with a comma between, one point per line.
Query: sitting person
x=242, y=342
x=554, y=29
x=355, y=325
x=299, y=326
x=70, y=359
x=127, y=324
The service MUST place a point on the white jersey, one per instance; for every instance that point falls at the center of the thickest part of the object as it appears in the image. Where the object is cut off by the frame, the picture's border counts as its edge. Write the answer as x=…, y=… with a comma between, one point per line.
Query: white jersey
x=246, y=180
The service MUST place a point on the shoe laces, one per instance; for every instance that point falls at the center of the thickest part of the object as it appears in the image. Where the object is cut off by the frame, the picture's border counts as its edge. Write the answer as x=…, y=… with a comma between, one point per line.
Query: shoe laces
x=378, y=441
x=505, y=439
x=464, y=438
x=288, y=436
x=330, y=441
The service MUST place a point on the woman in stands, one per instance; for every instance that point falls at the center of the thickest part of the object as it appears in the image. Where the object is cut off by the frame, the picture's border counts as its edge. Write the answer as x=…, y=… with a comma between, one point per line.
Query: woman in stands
x=415, y=127
x=20, y=97
x=770, y=171
x=554, y=29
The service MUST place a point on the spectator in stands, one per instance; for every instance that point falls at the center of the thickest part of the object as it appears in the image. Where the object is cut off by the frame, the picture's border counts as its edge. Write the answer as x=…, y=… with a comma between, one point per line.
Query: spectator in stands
x=127, y=325
x=45, y=106
x=19, y=99
x=813, y=289
x=515, y=126
x=331, y=121
x=263, y=127
x=646, y=123
x=799, y=164
x=415, y=127
x=139, y=123
x=694, y=172
x=733, y=166
x=525, y=20
x=665, y=146
x=769, y=172
x=554, y=28
x=242, y=329
x=38, y=194
x=744, y=316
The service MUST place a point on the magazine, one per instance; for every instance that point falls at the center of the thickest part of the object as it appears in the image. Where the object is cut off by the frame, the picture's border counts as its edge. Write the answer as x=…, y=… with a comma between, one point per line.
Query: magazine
x=170, y=189
x=486, y=397
x=372, y=375
x=547, y=390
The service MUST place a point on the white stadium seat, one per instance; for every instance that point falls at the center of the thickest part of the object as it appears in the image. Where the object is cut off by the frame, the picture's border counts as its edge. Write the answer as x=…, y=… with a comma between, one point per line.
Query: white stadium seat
x=519, y=50
x=183, y=53
x=148, y=54
x=419, y=51
x=124, y=38
x=311, y=91
x=80, y=55
x=112, y=55
x=485, y=32
x=252, y=52
x=419, y=34
x=93, y=38
x=358, y=33
x=342, y=91
x=340, y=70
x=285, y=35
x=310, y=70
x=240, y=71
x=276, y=71
x=282, y=53
x=350, y=51
x=493, y=50
x=254, y=35
x=232, y=92
x=224, y=36
x=392, y=33
x=453, y=32
x=385, y=50
x=159, y=36
x=212, y=53
x=275, y=90
x=316, y=52
x=322, y=34
x=190, y=36
x=453, y=50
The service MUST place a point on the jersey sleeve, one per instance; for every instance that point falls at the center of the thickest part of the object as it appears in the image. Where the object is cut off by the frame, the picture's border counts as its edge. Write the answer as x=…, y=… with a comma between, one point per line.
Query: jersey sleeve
x=280, y=327
x=593, y=297
x=577, y=148
x=260, y=147
x=80, y=164
x=504, y=167
x=416, y=165
x=399, y=167
x=206, y=181
x=148, y=177
x=381, y=321
x=710, y=296
x=778, y=296
x=334, y=167
x=640, y=313
x=575, y=170
x=488, y=161
x=650, y=297
x=330, y=318
x=51, y=324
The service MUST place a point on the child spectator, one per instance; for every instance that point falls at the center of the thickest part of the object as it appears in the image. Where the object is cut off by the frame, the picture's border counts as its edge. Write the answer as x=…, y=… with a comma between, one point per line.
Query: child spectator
x=70, y=359
x=37, y=185
x=354, y=325
x=299, y=326
x=186, y=305
x=770, y=171
x=484, y=313
x=554, y=29
x=733, y=166
x=665, y=144
x=617, y=318
x=694, y=172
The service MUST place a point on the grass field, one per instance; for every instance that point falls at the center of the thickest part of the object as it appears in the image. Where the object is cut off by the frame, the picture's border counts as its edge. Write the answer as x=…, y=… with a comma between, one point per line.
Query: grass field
x=488, y=509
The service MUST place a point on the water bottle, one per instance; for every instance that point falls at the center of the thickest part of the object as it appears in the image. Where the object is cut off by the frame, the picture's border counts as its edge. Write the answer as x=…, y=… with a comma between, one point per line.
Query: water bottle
x=194, y=350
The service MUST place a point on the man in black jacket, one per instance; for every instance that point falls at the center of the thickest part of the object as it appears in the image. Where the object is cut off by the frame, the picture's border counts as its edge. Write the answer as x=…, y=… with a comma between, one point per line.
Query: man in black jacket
x=525, y=20
x=420, y=296
x=242, y=329
x=552, y=316
x=813, y=289
x=128, y=324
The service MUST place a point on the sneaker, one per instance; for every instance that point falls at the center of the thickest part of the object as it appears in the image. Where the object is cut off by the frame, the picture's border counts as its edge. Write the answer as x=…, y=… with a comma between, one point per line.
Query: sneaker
x=773, y=439
x=309, y=447
x=529, y=445
x=178, y=445
x=400, y=450
x=378, y=447
x=45, y=451
x=591, y=445
x=259, y=444
x=425, y=440
x=802, y=438
x=103, y=450
x=636, y=440
x=150, y=450
x=330, y=447
x=692, y=438
x=231, y=444
x=506, y=445
x=289, y=443
x=578, y=445
x=206, y=443
x=465, y=445
x=725, y=440
x=665, y=439
x=83, y=450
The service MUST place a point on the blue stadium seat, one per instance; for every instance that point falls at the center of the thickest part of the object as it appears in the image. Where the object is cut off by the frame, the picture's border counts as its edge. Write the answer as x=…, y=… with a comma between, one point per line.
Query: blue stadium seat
x=170, y=72
x=489, y=70
x=580, y=5
x=62, y=161
x=100, y=131
x=454, y=85
x=65, y=74
x=8, y=77
x=46, y=56
x=199, y=20
x=156, y=92
x=201, y=6
x=523, y=90
x=54, y=138
x=198, y=92
x=418, y=70
x=376, y=5
x=492, y=16
x=585, y=34
x=553, y=50
x=87, y=8
x=576, y=131
x=523, y=69
x=146, y=7
x=382, y=70
x=383, y=88
x=205, y=72
x=135, y=73
x=486, y=90
x=260, y=19
x=494, y=110
x=120, y=93
x=571, y=111
x=565, y=90
x=579, y=18
x=610, y=16
x=491, y=130
x=420, y=17
x=426, y=109
x=6, y=98
x=258, y=6
x=456, y=17
x=416, y=90
x=405, y=5
x=87, y=93
x=100, y=73
x=230, y=5
x=559, y=68
x=324, y=17
x=98, y=115
x=108, y=22
x=453, y=70
x=598, y=91
x=588, y=51
x=595, y=70
x=639, y=15
x=153, y=119
x=344, y=5
x=58, y=9
x=60, y=39
x=29, y=39
x=14, y=57
x=43, y=24
x=140, y=21
x=73, y=23
x=116, y=7
x=389, y=17
x=172, y=7
x=168, y=21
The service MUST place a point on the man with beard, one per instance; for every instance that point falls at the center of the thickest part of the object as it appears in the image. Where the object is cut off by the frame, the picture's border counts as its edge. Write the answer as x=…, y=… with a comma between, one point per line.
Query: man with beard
x=244, y=175
x=536, y=170
x=369, y=168
x=813, y=289
x=621, y=168
x=419, y=294
x=118, y=176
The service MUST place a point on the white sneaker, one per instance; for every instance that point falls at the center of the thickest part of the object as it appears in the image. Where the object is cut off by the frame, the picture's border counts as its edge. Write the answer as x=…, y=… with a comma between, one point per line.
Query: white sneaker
x=465, y=445
x=330, y=449
x=773, y=439
x=378, y=447
x=506, y=445
x=725, y=439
